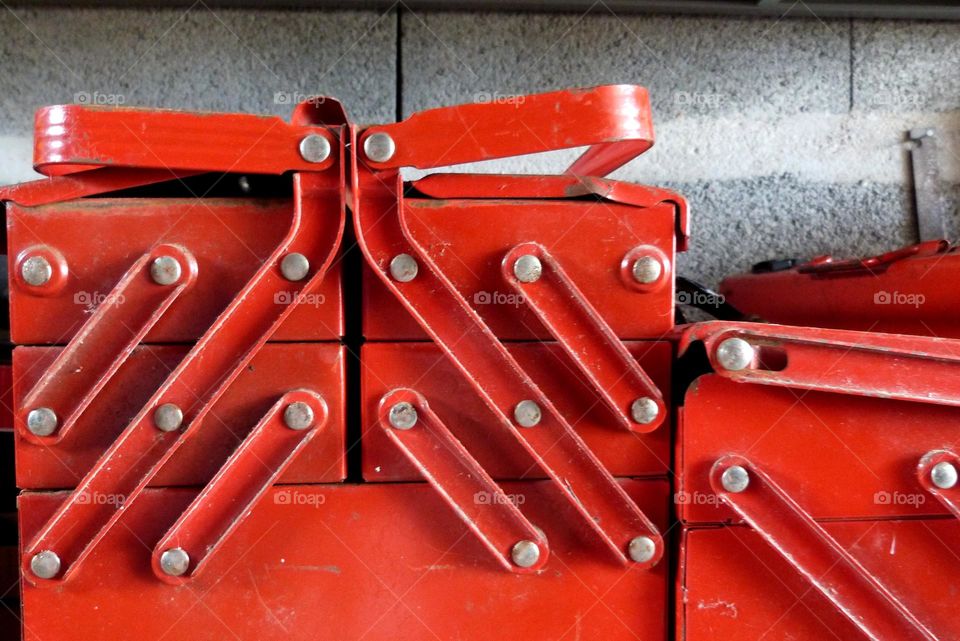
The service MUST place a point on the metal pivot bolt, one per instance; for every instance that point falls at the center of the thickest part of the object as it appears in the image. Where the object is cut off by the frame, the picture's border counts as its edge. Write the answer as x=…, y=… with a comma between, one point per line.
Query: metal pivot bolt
x=527, y=413
x=165, y=270
x=314, y=148
x=944, y=475
x=168, y=417
x=528, y=269
x=175, y=561
x=735, y=354
x=379, y=147
x=294, y=267
x=42, y=421
x=403, y=415
x=404, y=268
x=644, y=410
x=45, y=564
x=36, y=271
x=298, y=416
x=642, y=549
x=647, y=270
x=525, y=554
x=735, y=479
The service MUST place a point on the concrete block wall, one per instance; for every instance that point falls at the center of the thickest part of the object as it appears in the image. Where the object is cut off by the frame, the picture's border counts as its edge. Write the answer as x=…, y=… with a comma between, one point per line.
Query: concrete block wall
x=786, y=135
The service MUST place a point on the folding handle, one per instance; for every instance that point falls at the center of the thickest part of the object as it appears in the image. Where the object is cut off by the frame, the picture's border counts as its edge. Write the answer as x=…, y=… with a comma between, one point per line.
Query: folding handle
x=809, y=549
x=91, y=358
x=587, y=339
x=239, y=485
x=615, y=119
x=516, y=544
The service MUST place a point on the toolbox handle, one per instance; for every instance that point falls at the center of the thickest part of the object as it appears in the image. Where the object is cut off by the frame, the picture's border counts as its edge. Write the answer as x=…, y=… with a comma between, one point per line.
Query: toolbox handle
x=614, y=120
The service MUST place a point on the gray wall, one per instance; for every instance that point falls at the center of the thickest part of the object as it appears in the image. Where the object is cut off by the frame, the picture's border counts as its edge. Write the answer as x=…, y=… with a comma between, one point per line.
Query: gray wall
x=787, y=136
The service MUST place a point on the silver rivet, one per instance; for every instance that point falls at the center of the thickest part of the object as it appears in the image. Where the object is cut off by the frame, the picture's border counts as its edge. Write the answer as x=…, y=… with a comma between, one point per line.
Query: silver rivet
x=644, y=410
x=379, y=147
x=168, y=417
x=647, y=270
x=298, y=416
x=175, y=561
x=527, y=413
x=404, y=268
x=525, y=554
x=45, y=564
x=735, y=479
x=944, y=475
x=642, y=549
x=314, y=148
x=165, y=270
x=403, y=416
x=735, y=354
x=527, y=269
x=36, y=271
x=294, y=267
x=42, y=421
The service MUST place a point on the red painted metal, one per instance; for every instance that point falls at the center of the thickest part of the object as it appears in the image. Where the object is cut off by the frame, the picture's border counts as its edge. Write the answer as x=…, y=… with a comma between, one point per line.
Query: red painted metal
x=487, y=511
x=948, y=496
x=88, y=183
x=242, y=482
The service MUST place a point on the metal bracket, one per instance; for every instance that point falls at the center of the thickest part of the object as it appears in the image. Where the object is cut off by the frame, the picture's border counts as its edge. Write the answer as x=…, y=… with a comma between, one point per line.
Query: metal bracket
x=932, y=207
x=810, y=550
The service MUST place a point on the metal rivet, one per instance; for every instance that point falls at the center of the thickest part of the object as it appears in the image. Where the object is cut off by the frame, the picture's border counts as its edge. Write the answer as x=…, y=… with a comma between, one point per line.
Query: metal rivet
x=644, y=410
x=45, y=564
x=647, y=270
x=298, y=416
x=314, y=148
x=642, y=549
x=175, y=561
x=165, y=270
x=379, y=147
x=404, y=268
x=36, y=271
x=528, y=269
x=527, y=413
x=735, y=354
x=403, y=416
x=294, y=267
x=944, y=475
x=735, y=479
x=42, y=421
x=525, y=554
x=168, y=417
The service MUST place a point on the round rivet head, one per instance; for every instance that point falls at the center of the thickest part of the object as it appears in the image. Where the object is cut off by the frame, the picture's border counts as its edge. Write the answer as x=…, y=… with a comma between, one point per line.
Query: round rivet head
x=528, y=269
x=168, y=417
x=735, y=479
x=298, y=416
x=647, y=270
x=527, y=414
x=165, y=270
x=175, y=562
x=944, y=475
x=525, y=554
x=404, y=268
x=403, y=416
x=45, y=564
x=642, y=549
x=644, y=410
x=314, y=148
x=294, y=267
x=379, y=147
x=36, y=271
x=42, y=421
x=735, y=354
